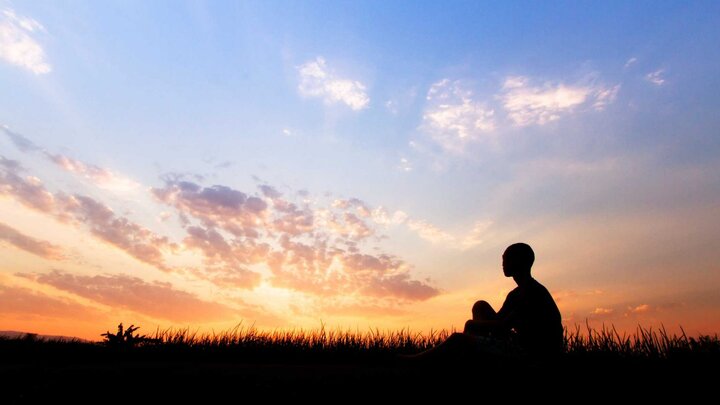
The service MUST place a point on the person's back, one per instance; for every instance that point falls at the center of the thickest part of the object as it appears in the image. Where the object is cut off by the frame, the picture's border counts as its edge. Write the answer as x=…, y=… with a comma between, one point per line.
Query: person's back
x=531, y=312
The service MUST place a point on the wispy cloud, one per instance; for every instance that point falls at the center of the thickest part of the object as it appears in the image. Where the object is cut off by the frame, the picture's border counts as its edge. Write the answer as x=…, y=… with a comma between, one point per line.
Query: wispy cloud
x=600, y=311
x=656, y=77
x=18, y=45
x=453, y=117
x=103, y=178
x=405, y=165
x=640, y=309
x=314, y=247
x=429, y=231
x=317, y=80
x=630, y=62
x=102, y=222
x=527, y=104
x=26, y=302
x=157, y=299
x=20, y=142
x=29, y=244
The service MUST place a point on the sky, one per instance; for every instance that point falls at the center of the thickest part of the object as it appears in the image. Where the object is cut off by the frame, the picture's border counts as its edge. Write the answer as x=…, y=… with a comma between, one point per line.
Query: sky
x=357, y=165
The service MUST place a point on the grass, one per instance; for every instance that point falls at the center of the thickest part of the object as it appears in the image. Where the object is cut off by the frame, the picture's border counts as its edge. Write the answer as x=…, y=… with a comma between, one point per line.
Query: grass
x=181, y=365
x=246, y=343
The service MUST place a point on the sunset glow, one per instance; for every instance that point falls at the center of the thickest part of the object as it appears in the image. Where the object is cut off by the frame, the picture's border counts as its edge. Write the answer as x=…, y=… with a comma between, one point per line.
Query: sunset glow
x=355, y=164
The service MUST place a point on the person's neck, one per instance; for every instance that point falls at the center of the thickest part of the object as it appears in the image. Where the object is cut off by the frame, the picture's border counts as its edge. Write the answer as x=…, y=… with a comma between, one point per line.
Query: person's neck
x=522, y=280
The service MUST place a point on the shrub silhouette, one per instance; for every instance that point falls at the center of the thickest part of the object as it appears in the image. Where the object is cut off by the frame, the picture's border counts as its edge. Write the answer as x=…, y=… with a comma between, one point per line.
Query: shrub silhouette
x=124, y=338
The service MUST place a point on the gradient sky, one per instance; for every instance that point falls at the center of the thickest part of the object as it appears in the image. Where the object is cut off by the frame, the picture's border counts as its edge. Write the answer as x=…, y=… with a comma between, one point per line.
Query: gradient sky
x=360, y=164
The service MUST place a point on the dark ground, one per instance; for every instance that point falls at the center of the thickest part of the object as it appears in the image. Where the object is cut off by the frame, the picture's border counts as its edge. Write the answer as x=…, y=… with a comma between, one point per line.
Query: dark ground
x=200, y=382
x=67, y=373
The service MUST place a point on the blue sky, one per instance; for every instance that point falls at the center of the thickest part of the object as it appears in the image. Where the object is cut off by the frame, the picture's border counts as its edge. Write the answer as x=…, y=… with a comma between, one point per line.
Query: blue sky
x=588, y=129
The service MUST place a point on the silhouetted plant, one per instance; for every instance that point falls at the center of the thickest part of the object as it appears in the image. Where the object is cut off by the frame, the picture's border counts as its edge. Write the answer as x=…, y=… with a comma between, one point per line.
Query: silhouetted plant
x=125, y=338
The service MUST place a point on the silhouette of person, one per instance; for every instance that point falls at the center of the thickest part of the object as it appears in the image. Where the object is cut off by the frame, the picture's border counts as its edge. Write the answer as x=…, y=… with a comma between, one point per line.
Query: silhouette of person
x=529, y=321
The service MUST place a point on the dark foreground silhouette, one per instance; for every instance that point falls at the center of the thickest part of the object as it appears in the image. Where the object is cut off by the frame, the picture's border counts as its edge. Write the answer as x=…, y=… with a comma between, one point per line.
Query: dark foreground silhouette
x=528, y=324
x=244, y=366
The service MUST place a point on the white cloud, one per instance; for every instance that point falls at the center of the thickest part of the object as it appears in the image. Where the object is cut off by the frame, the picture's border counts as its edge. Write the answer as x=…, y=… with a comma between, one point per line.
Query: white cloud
x=477, y=235
x=602, y=311
x=640, y=309
x=287, y=132
x=405, y=165
x=382, y=217
x=453, y=117
x=656, y=77
x=316, y=80
x=429, y=231
x=102, y=177
x=605, y=96
x=630, y=62
x=526, y=105
x=17, y=46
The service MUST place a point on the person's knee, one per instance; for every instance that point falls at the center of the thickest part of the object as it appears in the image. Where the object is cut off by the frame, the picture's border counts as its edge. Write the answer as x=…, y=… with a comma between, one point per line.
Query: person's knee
x=482, y=311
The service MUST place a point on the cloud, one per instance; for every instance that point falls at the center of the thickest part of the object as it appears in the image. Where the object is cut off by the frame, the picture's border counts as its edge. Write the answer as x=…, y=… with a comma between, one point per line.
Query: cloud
x=225, y=260
x=156, y=299
x=216, y=206
x=314, y=249
x=327, y=270
x=316, y=80
x=428, y=231
x=26, y=302
x=537, y=105
x=656, y=77
x=630, y=62
x=28, y=190
x=137, y=241
x=405, y=165
x=103, y=178
x=453, y=118
x=477, y=235
x=381, y=216
x=17, y=45
x=22, y=143
x=640, y=309
x=605, y=96
x=599, y=311
x=41, y=248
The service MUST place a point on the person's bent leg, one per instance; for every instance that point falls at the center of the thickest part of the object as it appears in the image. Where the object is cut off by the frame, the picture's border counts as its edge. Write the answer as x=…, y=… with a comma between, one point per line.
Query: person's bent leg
x=482, y=312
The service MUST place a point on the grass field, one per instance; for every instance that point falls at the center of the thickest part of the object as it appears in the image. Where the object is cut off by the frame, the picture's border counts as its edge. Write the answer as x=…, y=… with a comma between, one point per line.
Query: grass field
x=179, y=364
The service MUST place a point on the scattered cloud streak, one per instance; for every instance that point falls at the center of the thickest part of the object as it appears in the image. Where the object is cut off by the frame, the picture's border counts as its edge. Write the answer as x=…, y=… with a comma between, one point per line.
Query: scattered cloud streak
x=307, y=247
x=656, y=77
x=18, y=45
x=102, y=177
x=41, y=248
x=453, y=118
x=526, y=104
x=118, y=231
x=317, y=80
x=26, y=302
x=156, y=299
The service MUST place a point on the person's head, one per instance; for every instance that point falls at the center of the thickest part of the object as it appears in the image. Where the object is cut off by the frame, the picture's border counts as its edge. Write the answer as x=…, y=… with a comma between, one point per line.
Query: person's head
x=517, y=260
